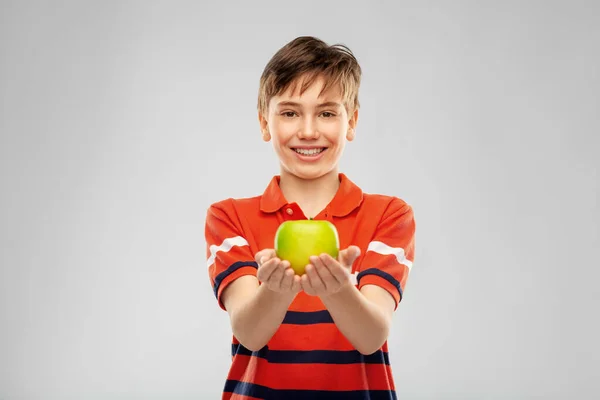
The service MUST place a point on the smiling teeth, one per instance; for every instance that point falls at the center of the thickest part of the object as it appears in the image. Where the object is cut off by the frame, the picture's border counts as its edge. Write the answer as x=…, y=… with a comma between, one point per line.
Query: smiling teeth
x=308, y=152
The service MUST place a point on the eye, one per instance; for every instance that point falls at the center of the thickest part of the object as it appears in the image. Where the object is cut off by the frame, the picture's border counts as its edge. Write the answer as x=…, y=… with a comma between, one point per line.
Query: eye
x=287, y=114
x=327, y=114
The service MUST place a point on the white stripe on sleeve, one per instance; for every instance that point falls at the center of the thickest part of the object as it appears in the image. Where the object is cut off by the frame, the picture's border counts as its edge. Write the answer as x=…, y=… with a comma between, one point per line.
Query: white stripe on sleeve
x=384, y=249
x=227, y=245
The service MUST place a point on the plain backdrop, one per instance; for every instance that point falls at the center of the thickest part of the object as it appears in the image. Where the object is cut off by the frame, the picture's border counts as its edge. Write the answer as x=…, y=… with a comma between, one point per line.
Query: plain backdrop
x=122, y=121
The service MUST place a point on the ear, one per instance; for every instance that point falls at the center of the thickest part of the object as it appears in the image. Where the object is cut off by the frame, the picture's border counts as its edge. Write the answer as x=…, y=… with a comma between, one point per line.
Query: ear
x=264, y=127
x=352, y=125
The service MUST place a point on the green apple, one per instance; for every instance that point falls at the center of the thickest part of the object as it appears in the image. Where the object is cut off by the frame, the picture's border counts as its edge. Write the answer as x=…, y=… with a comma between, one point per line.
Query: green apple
x=296, y=241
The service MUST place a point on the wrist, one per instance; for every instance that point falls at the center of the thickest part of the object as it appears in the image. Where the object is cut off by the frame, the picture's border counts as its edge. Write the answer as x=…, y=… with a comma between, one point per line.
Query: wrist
x=274, y=296
x=344, y=292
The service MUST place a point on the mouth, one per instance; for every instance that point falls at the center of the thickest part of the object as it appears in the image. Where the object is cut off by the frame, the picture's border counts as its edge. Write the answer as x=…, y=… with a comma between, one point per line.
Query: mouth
x=309, y=152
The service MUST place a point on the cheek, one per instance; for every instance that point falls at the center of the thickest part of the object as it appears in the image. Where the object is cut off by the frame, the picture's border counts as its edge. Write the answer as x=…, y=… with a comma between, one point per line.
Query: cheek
x=282, y=133
x=280, y=141
x=335, y=136
x=333, y=130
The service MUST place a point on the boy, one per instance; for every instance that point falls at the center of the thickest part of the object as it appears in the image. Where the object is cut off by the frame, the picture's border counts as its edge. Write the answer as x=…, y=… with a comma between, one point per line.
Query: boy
x=322, y=335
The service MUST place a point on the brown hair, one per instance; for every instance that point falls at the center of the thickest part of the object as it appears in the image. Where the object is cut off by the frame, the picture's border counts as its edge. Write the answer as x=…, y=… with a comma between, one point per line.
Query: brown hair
x=310, y=56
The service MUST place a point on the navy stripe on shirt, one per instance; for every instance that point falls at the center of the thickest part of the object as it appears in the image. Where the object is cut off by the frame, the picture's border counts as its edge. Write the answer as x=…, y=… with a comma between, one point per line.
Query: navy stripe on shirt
x=382, y=274
x=307, y=318
x=313, y=356
x=264, y=392
x=232, y=268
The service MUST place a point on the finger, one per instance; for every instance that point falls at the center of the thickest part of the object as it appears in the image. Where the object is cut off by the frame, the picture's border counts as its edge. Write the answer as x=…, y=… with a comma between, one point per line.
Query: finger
x=264, y=255
x=335, y=268
x=296, y=284
x=313, y=277
x=306, y=285
x=349, y=255
x=277, y=275
x=288, y=279
x=286, y=272
x=266, y=270
x=329, y=281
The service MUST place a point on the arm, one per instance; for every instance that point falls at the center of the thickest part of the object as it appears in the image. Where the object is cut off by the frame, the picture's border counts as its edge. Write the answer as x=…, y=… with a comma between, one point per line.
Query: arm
x=364, y=316
x=255, y=311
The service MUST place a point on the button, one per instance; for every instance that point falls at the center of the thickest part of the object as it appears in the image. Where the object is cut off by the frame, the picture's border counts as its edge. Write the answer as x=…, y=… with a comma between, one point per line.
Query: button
x=289, y=211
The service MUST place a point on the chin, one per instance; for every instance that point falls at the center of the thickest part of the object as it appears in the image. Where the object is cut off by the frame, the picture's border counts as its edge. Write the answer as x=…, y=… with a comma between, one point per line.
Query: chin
x=308, y=177
x=309, y=173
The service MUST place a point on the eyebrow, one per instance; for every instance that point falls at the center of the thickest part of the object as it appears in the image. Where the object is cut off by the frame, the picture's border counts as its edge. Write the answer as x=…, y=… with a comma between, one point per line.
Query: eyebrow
x=294, y=104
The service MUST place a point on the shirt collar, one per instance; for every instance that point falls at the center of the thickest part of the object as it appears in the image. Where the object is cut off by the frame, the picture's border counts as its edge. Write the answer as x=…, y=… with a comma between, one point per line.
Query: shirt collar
x=348, y=197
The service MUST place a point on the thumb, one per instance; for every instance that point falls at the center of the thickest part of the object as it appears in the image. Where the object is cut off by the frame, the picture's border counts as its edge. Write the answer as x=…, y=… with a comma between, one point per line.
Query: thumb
x=264, y=255
x=349, y=255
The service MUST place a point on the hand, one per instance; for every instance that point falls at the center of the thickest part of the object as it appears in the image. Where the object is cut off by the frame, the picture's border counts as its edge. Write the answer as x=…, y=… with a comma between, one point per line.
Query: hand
x=325, y=276
x=276, y=274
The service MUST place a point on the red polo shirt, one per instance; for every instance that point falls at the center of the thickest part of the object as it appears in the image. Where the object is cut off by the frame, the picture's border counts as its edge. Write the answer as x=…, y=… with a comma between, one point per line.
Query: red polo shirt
x=308, y=357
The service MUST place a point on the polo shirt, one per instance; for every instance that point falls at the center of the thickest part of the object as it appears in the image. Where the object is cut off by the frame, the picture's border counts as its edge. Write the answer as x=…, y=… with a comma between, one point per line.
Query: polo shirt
x=308, y=357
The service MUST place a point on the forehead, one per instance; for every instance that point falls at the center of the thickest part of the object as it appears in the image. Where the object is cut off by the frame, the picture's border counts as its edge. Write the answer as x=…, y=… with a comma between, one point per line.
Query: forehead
x=313, y=92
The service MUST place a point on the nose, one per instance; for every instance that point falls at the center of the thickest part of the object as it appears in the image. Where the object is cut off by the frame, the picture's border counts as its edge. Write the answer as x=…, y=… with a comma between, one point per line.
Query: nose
x=308, y=130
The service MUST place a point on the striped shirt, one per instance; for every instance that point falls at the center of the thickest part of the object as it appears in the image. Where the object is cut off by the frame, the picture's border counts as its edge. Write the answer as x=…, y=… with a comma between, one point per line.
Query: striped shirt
x=308, y=357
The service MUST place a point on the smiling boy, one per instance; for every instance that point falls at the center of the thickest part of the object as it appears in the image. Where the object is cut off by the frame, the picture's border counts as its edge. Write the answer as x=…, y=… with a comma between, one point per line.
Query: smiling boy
x=322, y=335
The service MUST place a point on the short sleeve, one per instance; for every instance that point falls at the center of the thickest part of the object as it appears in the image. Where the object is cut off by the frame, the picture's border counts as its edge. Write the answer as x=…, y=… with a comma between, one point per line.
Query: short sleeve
x=390, y=253
x=227, y=250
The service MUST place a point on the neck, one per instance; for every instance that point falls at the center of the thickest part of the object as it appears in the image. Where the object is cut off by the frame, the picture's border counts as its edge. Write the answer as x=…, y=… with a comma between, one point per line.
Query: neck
x=311, y=195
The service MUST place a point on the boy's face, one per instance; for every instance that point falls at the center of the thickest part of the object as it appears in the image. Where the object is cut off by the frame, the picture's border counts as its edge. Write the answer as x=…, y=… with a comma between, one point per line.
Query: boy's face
x=308, y=132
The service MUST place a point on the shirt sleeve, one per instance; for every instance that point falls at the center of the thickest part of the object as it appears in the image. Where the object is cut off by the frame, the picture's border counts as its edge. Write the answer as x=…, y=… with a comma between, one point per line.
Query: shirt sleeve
x=390, y=253
x=227, y=250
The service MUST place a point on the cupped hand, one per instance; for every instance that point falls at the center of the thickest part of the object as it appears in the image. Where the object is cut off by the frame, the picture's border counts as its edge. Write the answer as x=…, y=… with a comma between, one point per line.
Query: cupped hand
x=325, y=275
x=275, y=273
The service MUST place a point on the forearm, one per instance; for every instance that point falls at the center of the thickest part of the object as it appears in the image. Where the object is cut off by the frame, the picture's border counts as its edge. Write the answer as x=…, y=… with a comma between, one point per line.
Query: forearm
x=361, y=321
x=255, y=321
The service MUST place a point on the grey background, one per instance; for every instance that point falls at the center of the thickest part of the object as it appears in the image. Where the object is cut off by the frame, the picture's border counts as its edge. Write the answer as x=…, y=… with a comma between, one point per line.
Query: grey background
x=122, y=121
